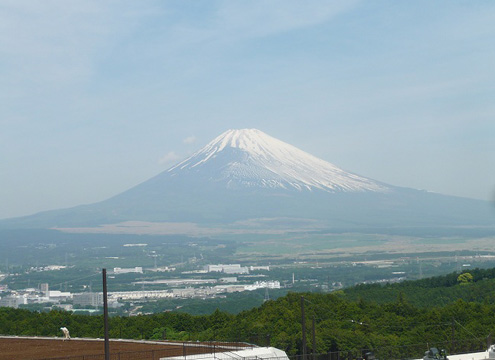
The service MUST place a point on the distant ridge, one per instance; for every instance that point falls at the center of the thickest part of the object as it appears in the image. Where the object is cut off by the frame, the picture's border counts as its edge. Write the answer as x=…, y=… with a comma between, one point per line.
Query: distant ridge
x=246, y=176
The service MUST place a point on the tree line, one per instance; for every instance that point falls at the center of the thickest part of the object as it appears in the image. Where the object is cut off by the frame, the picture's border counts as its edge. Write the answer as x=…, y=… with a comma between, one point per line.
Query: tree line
x=350, y=321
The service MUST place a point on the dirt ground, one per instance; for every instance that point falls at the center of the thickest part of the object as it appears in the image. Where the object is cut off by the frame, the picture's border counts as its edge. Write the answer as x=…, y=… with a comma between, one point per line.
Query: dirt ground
x=37, y=349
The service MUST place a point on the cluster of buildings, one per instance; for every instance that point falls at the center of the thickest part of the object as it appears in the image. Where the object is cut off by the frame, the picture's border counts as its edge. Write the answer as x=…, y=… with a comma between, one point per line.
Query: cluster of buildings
x=192, y=288
x=48, y=268
x=135, y=270
x=234, y=268
x=73, y=301
x=43, y=295
x=227, y=269
x=191, y=292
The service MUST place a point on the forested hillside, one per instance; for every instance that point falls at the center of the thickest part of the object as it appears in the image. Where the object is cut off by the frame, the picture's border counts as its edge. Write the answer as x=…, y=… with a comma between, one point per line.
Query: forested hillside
x=435, y=291
x=398, y=328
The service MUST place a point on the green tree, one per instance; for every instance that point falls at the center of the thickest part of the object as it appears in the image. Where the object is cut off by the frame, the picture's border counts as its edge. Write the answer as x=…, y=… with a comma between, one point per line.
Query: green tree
x=465, y=278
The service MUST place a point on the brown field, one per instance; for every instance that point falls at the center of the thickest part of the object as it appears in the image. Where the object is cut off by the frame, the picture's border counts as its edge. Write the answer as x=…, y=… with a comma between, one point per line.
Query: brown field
x=75, y=349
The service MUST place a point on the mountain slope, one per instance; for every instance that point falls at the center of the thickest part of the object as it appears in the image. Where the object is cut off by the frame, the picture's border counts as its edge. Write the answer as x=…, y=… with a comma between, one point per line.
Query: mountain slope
x=245, y=174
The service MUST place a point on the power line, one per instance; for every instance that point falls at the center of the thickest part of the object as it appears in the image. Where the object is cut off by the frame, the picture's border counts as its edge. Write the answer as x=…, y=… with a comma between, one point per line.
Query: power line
x=75, y=280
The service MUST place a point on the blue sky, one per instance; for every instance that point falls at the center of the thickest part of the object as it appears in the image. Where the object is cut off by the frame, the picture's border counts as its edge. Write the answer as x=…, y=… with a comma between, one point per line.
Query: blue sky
x=98, y=96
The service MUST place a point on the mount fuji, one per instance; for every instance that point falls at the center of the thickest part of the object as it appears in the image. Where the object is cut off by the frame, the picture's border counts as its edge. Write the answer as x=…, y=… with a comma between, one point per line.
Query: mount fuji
x=244, y=175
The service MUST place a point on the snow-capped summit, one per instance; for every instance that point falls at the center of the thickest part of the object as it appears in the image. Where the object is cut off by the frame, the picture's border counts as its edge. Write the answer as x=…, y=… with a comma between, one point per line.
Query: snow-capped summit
x=251, y=158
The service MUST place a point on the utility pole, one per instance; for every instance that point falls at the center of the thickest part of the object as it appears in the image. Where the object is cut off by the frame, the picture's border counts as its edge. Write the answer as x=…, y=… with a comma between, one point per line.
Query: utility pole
x=314, y=339
x=105, y=315
x=267, y=295
x=452, y=351
x=304, y=347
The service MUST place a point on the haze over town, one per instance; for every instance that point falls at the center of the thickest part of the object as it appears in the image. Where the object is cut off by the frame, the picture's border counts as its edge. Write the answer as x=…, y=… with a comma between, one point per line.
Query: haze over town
x=98, y=97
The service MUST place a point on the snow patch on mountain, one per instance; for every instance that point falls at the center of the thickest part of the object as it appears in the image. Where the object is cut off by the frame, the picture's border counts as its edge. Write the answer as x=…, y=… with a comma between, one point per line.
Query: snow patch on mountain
x=251, y=158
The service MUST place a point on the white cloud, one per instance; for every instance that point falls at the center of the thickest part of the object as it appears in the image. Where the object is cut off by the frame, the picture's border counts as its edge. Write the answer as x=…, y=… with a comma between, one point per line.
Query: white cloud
x=189, y=140
x=169, y=157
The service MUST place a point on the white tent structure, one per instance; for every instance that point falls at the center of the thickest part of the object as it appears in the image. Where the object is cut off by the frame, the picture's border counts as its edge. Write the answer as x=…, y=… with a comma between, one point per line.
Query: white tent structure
x=260, y=353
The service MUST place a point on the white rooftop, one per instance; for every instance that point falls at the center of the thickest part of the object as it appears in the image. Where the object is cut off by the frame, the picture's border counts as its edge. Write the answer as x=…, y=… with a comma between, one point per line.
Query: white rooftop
x=253, y=353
